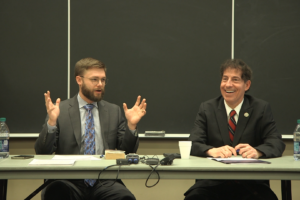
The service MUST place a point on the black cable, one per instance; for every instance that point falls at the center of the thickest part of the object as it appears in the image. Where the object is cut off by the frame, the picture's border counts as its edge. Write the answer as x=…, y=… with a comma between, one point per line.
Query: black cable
x=39, y=189
x=143, y=159
x=106, y=169
x=153, y=170
x=50, y=181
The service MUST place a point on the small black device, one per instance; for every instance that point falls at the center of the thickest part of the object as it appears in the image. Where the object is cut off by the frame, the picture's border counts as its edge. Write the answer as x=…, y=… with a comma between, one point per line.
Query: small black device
x=152, y=161
x=122, y=162
x=133, y=158
x=167, y=160
x=176, y=155
x=22, y=157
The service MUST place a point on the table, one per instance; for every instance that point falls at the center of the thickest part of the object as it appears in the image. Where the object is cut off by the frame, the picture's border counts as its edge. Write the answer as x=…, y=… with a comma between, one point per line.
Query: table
x=284, y=168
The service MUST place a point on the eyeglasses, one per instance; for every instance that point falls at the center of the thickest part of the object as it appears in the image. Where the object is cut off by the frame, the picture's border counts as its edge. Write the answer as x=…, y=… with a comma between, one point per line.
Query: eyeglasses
x=95, y=81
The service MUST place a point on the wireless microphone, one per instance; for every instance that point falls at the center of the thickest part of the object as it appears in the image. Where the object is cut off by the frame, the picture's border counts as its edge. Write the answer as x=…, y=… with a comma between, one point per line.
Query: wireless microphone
x=122, y=162
x=167, y=160
x=152, y=161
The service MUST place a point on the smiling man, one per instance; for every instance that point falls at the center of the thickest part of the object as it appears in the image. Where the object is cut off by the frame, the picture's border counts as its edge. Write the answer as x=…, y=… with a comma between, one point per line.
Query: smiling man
x=86, y=124
x=234, y=124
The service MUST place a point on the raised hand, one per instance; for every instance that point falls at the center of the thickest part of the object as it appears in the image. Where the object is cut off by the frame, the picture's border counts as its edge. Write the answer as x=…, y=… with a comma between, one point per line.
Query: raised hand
x=222, y=152
x=135, y=114
x=52, y=110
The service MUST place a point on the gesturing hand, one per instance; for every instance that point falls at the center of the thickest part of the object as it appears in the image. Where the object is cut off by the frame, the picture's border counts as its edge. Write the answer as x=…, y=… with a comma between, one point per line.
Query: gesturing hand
x=52, y=110
x=135, y=114
x=222, y=152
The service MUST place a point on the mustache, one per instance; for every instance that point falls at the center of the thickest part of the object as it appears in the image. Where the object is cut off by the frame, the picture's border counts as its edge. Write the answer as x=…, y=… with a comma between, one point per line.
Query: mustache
x=99, y=88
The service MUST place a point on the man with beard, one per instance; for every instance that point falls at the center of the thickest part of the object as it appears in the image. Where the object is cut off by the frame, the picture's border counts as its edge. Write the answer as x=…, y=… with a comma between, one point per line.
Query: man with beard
x=234, y=124
x=86, y=124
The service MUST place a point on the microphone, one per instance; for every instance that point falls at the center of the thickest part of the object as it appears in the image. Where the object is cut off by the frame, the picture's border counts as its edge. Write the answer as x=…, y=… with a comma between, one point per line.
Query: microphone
x=167, y=160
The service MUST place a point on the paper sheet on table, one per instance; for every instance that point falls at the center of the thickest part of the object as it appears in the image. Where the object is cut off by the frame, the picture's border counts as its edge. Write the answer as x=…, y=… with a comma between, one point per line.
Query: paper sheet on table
x=77, y=157
x=240, y=160
x=51, y=162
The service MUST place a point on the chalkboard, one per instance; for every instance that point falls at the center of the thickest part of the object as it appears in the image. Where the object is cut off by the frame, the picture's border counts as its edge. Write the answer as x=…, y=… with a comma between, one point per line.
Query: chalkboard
x=167, y=51
x=267, y=37
x=33, y=52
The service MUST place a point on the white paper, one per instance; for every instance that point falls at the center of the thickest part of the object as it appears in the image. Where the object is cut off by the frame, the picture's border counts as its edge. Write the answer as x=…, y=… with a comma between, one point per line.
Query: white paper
x=77, y=157
x=51, y=162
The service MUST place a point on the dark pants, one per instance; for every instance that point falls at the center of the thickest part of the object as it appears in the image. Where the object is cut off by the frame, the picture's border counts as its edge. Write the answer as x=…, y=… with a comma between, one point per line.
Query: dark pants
x=233, y=190
x=78, y=190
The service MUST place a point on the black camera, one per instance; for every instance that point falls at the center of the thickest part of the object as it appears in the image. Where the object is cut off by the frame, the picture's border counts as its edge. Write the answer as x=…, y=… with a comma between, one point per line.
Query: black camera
x=133, y=158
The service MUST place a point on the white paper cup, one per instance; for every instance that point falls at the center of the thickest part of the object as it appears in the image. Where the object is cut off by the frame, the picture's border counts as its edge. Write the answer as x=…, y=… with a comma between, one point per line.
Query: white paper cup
x=185, y=149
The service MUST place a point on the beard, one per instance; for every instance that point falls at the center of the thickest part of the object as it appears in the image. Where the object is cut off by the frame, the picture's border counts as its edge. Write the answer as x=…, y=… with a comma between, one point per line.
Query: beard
x=90, y=93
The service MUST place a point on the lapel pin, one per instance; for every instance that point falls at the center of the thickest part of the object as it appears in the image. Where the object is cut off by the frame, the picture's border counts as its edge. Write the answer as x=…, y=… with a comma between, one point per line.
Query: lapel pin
x=246, y=114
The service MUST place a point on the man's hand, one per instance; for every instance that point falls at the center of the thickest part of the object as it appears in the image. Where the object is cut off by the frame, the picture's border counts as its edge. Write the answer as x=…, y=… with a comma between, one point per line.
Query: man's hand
x=222, y=152
x=248, y=151
x=52, y=110
x=135, y=114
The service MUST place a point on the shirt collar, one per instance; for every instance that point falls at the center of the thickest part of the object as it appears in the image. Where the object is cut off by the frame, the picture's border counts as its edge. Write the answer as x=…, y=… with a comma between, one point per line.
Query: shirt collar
x=82, y=102
x=237, y=109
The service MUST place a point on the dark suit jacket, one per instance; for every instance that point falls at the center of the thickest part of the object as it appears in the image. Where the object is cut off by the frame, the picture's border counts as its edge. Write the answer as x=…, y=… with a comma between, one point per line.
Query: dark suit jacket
x=258, y=130
x=67, y=139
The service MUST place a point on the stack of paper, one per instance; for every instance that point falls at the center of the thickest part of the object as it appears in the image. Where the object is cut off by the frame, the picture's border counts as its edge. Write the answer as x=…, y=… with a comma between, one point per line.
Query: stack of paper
x=51, y=162
x=62, y=160
x=76, y=157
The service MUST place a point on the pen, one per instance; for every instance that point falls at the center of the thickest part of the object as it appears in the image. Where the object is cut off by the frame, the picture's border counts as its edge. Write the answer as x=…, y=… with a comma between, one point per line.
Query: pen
x=22, y=157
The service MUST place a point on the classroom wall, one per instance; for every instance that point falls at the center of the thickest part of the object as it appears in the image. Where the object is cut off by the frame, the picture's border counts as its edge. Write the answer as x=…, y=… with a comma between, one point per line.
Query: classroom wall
x=167, y=51
x=165, y=189
x=170, y=49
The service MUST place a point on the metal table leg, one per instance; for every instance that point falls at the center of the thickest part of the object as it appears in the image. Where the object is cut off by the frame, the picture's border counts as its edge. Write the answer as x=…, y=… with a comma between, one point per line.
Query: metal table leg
x=3, y=188
x=286, y=190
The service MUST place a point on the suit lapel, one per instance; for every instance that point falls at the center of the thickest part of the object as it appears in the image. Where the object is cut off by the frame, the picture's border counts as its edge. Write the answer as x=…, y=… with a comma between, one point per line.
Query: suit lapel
x=104, y=122
x=223, y=121
x=75, y=119
x=243, y=121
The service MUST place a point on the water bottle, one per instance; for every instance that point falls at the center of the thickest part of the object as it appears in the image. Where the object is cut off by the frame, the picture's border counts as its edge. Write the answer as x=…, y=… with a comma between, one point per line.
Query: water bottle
x=297, y=141
x=4, y=139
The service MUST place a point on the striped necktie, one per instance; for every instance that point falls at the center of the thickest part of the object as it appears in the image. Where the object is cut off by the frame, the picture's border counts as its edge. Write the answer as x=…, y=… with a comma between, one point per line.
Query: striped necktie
x=231, y=125
x=89, y=137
